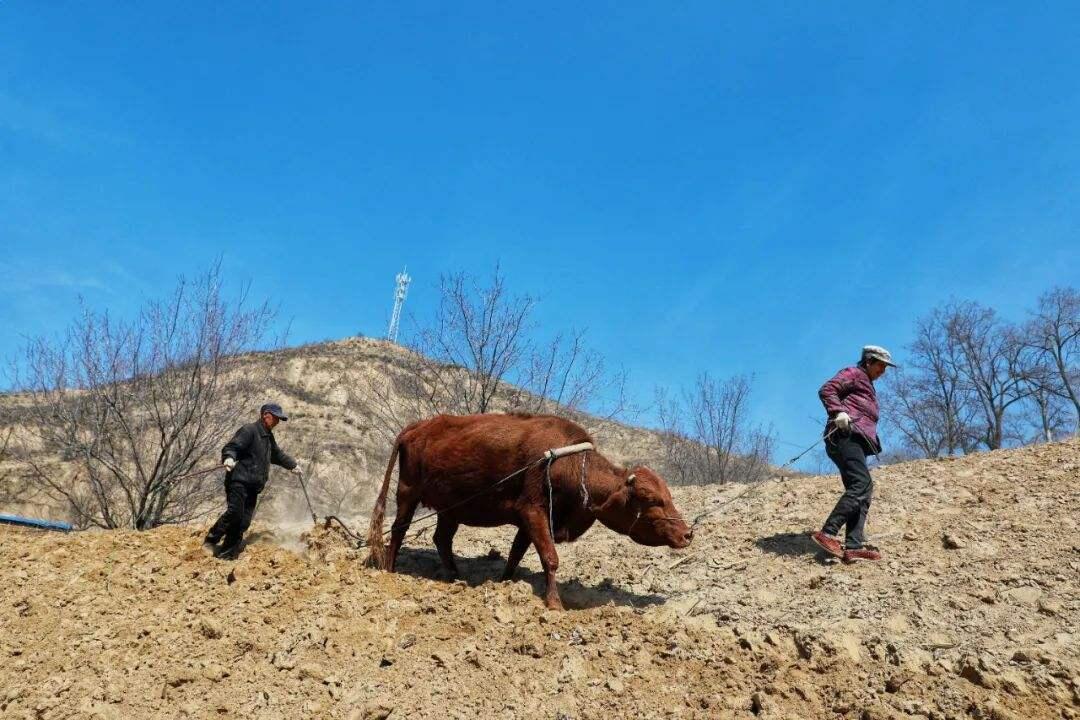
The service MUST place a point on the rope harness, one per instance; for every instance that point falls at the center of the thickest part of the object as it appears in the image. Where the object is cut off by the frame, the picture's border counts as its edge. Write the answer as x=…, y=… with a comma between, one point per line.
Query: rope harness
x=551, y=456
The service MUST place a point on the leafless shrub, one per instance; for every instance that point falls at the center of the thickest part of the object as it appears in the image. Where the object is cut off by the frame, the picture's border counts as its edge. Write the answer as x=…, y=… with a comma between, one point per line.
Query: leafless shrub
x=5, y=443
x=9, y=491
x=138, y=405
x=708, y=436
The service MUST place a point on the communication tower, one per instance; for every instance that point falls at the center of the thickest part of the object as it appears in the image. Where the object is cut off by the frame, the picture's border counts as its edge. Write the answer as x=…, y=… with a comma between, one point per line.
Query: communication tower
x=401, y=289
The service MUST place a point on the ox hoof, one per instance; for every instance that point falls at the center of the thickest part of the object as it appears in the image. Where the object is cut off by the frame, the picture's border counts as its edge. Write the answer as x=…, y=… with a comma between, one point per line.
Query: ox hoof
x=554, y=603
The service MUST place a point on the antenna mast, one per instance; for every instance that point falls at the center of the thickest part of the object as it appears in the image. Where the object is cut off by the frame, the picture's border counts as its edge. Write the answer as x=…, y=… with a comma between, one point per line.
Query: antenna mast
x=401, y=289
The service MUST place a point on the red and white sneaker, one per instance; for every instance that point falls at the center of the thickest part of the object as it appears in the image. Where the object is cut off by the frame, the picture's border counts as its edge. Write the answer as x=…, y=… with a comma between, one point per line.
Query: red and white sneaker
x=863, y=553
x=828, y=543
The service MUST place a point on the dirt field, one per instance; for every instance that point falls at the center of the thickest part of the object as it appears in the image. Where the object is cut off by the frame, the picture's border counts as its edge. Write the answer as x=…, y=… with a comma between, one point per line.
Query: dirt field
x=975, y=613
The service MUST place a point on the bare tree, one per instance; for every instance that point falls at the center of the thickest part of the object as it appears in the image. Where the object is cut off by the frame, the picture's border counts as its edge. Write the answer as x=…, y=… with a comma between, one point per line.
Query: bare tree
x=929, y=402
x=567, y=377
x=708, y=437
x=991, y=365
x=914, y=412
x=1046, y=406
x=479, y=354
x=479, y=337
x=1053, y=332
x=137, y=405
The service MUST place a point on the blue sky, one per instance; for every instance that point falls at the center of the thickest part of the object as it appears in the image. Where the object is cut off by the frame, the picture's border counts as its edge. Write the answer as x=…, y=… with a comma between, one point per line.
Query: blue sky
x=739, y=188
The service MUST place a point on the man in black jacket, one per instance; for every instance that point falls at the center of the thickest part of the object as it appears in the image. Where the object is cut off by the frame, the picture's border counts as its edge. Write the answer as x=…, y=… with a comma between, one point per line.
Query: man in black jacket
x=247, y=458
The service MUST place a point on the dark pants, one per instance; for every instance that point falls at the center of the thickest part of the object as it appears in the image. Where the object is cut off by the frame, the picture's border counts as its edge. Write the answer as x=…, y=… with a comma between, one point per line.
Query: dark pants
x=854, y=505
x=234, y=522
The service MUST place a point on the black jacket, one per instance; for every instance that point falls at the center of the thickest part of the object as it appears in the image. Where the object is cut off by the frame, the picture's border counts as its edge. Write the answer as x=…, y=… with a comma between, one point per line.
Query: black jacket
x=254, y=448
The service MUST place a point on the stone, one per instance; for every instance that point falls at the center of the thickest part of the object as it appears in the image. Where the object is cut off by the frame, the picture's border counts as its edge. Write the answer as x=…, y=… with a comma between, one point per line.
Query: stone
x=214, y=672
x=894, y=683
x=572, y=669
x=311, y=671
x=952, y=542
x=1049, y=606
x=1013, y=683
x=372, y=711
x=1022, y=656
x=181, y=677
x=897, y=624
x=209, y=629
x=283, y=661
x=974, y=671
x=1024, y=595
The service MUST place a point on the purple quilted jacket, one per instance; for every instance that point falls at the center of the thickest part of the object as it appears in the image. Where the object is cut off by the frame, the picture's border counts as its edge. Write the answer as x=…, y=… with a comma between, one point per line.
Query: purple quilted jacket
x=852, y=391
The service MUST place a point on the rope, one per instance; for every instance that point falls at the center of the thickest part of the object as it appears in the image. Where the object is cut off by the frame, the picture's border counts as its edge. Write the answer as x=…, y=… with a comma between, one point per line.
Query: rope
x=584, y=490
x=551, y=458
x=759, y=484
x=345, y=528
x=551, y=500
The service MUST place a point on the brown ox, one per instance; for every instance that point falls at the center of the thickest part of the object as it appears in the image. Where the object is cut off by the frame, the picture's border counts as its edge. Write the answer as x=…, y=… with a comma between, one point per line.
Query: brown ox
x=447, y=459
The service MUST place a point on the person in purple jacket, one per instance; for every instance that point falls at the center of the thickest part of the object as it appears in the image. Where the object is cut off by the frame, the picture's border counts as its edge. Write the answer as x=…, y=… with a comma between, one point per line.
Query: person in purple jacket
x=850, y=436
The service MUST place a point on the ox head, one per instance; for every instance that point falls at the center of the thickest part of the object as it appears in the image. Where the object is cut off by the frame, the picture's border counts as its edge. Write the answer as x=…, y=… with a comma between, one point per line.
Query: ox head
x=643, y=509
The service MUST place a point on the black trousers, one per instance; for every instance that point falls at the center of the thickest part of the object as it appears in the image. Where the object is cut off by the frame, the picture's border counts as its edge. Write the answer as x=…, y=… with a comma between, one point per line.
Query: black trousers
x=240, y=502
x=849, y=455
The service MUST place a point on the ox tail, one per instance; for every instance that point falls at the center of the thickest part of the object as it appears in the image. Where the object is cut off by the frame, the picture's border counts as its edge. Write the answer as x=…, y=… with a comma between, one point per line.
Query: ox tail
x=376, y=541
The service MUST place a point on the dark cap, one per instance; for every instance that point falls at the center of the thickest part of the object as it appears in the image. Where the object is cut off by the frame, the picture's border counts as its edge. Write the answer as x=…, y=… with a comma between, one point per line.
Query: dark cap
x=274, y=409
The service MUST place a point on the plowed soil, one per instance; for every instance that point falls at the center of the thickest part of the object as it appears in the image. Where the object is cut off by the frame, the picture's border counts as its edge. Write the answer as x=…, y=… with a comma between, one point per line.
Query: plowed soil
x=973, y=613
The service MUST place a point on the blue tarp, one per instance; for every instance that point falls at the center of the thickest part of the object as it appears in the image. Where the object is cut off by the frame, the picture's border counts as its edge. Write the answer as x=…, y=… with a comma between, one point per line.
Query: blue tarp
x=34, y=523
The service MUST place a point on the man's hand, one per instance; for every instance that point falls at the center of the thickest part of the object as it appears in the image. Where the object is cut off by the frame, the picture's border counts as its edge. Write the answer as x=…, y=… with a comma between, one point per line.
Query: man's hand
x=228, y=463
x=842, y=421
x=297, y=471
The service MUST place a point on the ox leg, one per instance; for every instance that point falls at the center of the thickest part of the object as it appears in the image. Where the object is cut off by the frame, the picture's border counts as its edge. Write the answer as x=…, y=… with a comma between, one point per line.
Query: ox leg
x=537, y=524
x=444, y=542
x=406, y=506
x=517, y=551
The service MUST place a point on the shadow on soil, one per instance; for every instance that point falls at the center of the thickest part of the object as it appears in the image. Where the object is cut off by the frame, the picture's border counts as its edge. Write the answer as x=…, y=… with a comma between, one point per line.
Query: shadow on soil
x=425, y=563
x=792, y=545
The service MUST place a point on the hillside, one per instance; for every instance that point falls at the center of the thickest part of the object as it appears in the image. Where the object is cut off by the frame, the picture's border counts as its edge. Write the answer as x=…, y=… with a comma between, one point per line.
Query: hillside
x=340, y=440
x=975, y=613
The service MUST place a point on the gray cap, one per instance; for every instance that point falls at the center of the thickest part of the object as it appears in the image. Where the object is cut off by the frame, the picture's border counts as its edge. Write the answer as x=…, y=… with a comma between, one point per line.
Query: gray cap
x=274, y=409
x=876, y=352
